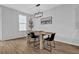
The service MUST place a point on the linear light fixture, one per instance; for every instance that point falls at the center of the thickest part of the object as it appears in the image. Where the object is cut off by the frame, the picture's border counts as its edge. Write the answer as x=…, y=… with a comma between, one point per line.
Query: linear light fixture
x=38, y=13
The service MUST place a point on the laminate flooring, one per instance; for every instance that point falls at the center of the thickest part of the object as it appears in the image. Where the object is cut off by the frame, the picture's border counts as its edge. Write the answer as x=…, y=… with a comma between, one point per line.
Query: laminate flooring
x=18, y=46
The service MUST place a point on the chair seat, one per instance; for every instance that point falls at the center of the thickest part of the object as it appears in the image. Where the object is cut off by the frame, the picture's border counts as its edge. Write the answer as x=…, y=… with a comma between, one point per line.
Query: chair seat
x=35, y=36
x=47, y=39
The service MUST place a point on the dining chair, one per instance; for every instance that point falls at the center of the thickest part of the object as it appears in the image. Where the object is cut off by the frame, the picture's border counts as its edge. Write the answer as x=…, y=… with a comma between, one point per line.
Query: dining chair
x=34, y=37
x=49, y=40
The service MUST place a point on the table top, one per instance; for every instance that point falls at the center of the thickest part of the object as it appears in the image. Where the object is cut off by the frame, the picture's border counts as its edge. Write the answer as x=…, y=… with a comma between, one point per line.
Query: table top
x=42, y=32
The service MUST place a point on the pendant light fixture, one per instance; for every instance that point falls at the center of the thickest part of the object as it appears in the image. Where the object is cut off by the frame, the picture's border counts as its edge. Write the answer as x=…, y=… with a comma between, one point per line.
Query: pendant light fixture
x=38, y=13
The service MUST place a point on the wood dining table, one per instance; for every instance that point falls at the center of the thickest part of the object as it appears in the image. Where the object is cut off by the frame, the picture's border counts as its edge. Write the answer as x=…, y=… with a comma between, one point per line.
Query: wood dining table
x=41, y=34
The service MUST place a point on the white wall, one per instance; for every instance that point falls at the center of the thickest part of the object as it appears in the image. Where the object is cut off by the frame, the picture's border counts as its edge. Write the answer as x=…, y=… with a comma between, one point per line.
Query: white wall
x=10, y=24
x=76, y=31
x=0, y=23
x=63, y=23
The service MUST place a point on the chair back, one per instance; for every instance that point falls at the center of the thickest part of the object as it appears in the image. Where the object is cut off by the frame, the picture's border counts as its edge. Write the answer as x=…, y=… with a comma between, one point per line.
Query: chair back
x=52, y=36
x=32, y=34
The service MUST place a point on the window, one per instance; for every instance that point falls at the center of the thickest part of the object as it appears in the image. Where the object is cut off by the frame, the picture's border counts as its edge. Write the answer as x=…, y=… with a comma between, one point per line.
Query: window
x=22, y=23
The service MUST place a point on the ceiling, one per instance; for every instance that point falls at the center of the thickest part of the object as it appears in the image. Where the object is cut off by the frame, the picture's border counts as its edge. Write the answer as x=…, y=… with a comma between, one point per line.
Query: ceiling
x=30, y=8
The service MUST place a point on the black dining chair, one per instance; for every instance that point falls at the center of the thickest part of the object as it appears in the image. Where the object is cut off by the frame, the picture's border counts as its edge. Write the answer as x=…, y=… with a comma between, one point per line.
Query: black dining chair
x=49, y=40
x=34, y=37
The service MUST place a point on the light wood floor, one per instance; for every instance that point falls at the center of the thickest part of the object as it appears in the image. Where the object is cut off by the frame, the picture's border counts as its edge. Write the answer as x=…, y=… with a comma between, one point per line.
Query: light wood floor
x=18, y=46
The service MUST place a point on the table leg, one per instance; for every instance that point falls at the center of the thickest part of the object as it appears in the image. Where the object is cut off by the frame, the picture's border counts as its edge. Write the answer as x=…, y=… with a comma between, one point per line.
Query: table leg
x=41, y=42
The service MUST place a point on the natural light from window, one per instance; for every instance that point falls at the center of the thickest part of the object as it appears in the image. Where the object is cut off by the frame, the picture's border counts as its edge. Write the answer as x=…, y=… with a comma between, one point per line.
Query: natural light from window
x=22, y=23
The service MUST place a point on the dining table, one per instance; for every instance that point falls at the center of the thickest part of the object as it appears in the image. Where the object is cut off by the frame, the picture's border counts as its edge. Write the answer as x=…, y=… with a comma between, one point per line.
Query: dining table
x=41, y=35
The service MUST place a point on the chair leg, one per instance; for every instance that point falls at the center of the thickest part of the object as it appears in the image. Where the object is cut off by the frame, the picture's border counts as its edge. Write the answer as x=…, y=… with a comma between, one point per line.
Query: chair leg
x=50, y=47
x=34, y=42
x=38, y=39
x=54, y=43
x=47, y=43
x=29, y=40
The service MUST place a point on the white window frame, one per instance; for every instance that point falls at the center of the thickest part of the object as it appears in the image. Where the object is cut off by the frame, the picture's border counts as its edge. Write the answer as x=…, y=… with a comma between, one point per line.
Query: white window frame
x=22, y=24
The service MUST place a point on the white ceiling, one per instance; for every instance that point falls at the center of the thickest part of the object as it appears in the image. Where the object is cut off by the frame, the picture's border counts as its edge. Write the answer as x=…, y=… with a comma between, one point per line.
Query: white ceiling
x=30, y=8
